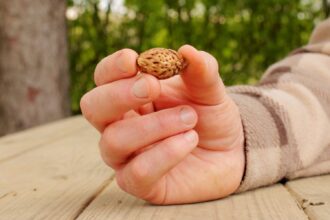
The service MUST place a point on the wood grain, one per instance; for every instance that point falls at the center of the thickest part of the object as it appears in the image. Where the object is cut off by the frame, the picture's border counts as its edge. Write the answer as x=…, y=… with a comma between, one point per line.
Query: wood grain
x=313, y=195
x=55, y=181
x=18, y=143
x=266, y=203
x=55, y=172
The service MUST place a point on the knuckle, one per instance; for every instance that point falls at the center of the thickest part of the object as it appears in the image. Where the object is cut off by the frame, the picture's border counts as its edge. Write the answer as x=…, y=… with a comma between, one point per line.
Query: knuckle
x=85, y=108
x=128, y=59
x=129, y=184
x=108, y=157
x=121, y=181
x=151, y=124
x=138, y=172
x=168, y=151
x=99, y=71
x=160, y=123
x=211, y=61
x=111, y=143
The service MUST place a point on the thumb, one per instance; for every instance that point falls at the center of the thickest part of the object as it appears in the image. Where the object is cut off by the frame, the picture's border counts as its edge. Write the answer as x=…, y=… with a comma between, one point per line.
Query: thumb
x=201, y=77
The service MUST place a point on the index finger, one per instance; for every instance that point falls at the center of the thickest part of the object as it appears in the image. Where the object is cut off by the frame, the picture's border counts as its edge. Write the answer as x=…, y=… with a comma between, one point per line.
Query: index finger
x=119, y=65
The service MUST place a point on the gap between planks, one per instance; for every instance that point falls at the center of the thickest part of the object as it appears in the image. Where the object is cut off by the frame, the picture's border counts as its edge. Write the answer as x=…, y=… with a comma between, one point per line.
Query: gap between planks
x=273, y=202
x=54, y=182
x=295, y=196
x=94, y=196
x=313, y=195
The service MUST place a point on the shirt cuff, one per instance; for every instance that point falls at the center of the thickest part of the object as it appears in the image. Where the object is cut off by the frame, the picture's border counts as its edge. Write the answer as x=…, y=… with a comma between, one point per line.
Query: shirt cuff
x=262, y=142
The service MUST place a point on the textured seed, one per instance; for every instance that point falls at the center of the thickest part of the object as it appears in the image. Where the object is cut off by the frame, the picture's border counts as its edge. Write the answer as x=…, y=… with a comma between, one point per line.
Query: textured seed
x=161, y=63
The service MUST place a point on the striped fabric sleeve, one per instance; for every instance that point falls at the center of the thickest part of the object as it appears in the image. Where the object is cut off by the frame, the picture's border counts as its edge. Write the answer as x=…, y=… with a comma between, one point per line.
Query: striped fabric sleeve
x=286, y=117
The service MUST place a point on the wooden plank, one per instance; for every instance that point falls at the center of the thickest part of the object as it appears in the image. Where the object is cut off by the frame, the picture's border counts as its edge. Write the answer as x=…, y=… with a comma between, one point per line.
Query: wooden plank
x=273, y=202
x=313, y=195
x=55, y=181
x=15, y=144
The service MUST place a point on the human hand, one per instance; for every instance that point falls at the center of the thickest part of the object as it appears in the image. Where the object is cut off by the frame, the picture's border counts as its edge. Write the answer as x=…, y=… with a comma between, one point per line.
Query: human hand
x=178, y=140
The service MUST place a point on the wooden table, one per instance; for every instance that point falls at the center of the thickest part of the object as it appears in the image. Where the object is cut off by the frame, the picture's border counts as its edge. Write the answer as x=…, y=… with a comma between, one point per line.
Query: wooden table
x=55, y=172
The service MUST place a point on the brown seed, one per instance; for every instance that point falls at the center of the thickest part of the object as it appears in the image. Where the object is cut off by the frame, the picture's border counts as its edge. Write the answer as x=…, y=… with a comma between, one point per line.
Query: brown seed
x=161, y=63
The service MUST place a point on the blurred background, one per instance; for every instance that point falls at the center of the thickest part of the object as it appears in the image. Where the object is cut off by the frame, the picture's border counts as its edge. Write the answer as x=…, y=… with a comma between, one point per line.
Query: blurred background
x=49, y=49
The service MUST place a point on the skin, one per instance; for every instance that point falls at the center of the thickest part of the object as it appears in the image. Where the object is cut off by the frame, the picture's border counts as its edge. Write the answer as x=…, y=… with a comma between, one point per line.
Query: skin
x=158, y=156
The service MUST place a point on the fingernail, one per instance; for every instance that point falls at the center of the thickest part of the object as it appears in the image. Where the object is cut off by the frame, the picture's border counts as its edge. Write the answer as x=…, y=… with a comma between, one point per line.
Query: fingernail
x=187, y=116
x=190, y=136
x=120, y=62
x=140, y=88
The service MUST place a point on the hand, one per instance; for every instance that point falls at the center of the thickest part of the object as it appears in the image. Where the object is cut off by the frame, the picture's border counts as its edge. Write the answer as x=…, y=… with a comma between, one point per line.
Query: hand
x=172, y=141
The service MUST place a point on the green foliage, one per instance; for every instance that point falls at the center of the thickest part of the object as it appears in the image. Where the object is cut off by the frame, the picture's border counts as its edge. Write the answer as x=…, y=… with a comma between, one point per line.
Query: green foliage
x=246, y=36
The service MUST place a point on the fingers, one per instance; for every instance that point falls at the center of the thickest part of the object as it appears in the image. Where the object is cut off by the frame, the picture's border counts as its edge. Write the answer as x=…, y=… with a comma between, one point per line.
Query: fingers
x=146, y=109
x=123, y=138
x=130, y=114
x=107, y=103
x=201, y=77
x=121, y=64
x=147, y=168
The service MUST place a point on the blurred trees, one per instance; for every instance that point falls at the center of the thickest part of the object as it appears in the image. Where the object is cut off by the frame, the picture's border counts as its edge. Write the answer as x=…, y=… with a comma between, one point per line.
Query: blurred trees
x=246, y=36
x=34, y=77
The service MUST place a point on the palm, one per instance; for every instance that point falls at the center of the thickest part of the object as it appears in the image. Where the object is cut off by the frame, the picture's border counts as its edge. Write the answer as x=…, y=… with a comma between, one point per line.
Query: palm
x=211, y=161
x=197, y=178
x=220, y=125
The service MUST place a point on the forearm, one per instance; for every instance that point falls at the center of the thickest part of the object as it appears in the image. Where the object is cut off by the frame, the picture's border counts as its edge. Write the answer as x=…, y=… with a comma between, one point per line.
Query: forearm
x=286, y=117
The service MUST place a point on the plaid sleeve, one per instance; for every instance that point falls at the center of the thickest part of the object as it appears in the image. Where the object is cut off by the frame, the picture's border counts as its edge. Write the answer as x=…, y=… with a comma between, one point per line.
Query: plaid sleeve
x=286, y=117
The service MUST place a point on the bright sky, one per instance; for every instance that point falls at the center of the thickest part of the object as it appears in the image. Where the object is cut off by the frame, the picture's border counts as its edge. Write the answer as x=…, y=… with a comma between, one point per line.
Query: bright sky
x=117, y=5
